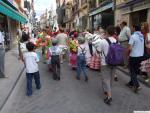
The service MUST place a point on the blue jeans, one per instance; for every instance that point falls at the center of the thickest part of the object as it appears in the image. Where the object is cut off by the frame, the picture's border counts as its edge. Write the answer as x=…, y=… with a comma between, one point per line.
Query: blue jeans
x=36, y=77
x=81, y=65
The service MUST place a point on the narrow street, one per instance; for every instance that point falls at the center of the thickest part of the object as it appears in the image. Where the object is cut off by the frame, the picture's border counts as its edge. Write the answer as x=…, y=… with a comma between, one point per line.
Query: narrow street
x=72, y=96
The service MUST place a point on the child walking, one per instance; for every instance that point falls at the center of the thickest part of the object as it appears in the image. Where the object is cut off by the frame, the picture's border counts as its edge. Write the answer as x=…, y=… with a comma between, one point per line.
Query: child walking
x=81, y=59
x=55, y=52
x=31, y=60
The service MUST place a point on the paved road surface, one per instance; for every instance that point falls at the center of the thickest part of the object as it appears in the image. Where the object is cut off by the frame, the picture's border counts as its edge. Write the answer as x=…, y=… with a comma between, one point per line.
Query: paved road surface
x=72, y=96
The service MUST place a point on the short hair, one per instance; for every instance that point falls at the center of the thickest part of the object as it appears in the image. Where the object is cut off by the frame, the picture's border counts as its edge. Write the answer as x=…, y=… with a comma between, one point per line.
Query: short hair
x=110, y=30
x=137, y=27
x=54, y=41
x=81, y=40
x=117, y=30
x=124, y=23
x=61, y=30
x=47, y=27
x=25, y=37
x=30, y=46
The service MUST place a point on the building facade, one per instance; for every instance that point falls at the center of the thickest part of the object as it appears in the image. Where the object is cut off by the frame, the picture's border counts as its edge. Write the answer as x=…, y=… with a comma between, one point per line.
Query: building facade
x=60, y=12
x=68, y=18
x=132, y=11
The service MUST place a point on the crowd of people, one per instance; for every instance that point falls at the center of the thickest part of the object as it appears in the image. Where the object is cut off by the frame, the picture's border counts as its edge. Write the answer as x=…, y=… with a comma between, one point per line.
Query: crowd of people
x=102, y=50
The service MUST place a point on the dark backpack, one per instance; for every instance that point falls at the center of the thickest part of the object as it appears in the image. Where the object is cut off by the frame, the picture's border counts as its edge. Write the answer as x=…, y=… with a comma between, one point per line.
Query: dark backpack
x=115, y=56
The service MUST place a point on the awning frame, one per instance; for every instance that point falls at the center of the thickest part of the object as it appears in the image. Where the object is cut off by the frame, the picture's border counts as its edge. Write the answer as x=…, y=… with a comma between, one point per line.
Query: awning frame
x=12, y=13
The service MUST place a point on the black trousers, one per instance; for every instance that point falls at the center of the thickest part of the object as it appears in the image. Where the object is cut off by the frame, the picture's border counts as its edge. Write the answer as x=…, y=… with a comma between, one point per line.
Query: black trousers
x=55, y=62
x=134, y=64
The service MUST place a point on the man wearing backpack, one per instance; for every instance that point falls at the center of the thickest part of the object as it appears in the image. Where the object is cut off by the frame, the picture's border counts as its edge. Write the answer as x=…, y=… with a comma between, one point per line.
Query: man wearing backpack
x=136, y=51
x=107, y=71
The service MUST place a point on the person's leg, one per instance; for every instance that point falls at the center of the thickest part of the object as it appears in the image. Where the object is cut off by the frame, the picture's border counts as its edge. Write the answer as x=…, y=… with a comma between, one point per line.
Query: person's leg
x=134, y=65
x=61, y=58
x=42, y=50
x=29, y=77
x=148, y=80
x=2, y=62
x=54, y=68
x=37, y=80
x=125, y=45
x=78, y=67
x=83, y=68
x=58, y=68
x=106, y=83
x=114, y=74
x=131, y=69
x=91, y=49
x=19, y=50
x=136, y=71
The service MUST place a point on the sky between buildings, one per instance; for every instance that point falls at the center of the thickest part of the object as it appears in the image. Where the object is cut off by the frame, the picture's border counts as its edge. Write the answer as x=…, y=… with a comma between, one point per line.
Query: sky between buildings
x=42, y=5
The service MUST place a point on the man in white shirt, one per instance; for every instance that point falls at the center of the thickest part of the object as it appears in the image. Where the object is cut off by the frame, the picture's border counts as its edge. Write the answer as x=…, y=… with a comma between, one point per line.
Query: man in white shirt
x=136, y=52
x=124, y=37
x=62, y=42
x=2, y=54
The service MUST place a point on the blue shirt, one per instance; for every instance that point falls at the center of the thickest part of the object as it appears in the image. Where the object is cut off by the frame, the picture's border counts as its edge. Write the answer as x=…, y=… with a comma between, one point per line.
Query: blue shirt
x=137, y=43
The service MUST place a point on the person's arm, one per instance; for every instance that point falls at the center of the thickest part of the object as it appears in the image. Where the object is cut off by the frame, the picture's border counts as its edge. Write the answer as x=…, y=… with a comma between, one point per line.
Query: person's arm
x=129, y=49
x=128, y=33
x=36, y=58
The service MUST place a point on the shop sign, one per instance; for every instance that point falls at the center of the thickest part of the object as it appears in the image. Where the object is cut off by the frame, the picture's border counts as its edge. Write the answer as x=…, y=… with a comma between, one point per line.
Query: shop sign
x=101, y=9
x=11, y=1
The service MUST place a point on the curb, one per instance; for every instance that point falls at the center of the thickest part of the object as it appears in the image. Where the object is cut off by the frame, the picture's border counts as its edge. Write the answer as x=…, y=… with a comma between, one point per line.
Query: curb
x=1, y=107
x=139, y=78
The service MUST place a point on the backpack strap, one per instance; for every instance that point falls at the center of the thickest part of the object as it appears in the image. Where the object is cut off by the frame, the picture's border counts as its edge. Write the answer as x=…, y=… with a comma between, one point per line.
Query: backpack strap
x=83, y=50
x=109, y=42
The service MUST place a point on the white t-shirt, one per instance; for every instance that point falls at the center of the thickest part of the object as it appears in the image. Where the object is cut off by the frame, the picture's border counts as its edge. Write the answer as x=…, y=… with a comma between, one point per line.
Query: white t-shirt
x=55, y=50
x=1, y=37
x=137, y=43
x=31, y=59
x=103, y=48
x=125, y=34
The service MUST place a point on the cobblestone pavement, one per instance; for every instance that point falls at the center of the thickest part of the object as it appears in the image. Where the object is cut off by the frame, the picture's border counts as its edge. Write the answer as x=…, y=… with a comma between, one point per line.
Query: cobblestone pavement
x=72, y=96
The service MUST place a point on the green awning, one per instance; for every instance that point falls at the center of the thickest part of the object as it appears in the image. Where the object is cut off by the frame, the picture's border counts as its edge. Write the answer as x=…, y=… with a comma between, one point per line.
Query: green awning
x=7, y=10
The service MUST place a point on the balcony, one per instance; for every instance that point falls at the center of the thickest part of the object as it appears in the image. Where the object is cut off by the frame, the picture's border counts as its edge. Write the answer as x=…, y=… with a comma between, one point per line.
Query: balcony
x=67, y=19
x=75, y=9
x=92, y=4
x=104, y=2
x=125, y=3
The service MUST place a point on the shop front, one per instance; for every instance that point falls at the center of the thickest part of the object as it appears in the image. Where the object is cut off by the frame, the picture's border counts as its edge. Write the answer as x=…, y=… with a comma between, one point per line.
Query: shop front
x=10, y=19
x=4, y=29
x=102, y=17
